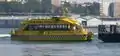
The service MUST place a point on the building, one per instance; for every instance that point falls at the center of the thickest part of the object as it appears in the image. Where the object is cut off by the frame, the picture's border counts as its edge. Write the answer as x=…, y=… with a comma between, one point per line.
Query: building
x=56, y=6
x=50, y=6
x=104, y=8
x=56, y=3
x=111, y=10
x=117, y=8
x=114, y=9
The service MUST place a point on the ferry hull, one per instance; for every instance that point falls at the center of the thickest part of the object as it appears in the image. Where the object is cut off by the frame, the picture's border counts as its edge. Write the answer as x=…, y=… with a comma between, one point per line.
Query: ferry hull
x=109, y=37
x=51, y=38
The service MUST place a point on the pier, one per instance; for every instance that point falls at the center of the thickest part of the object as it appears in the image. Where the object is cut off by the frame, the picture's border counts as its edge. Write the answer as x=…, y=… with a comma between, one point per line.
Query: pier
x=10, y=21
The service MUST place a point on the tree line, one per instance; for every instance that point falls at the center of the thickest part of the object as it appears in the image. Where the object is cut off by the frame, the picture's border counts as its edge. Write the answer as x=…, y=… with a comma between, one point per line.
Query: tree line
x=84, y=9
x=34, y=6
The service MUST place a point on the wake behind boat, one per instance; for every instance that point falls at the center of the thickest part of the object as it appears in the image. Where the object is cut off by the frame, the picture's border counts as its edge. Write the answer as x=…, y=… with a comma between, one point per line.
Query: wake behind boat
x=5, y=35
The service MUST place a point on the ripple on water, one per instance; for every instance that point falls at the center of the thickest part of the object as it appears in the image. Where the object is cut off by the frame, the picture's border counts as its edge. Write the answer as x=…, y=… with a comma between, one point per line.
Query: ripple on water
x=94, y=48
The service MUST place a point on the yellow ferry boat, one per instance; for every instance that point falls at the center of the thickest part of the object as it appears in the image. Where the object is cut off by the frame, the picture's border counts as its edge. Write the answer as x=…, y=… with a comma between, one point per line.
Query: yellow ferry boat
x=54, y=28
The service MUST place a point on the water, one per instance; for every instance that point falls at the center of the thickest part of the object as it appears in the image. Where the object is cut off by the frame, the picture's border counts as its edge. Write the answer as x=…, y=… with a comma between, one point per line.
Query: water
x=94, y=48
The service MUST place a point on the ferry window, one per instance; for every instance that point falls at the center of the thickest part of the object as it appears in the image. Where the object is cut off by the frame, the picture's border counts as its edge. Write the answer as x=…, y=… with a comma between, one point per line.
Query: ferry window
x=54, y=26
x=51, y=26
x=35, y=27
x=46, y=26
x=60, y=26
x=40, y=26
x=63, y=26
x=43, y=26
x=66, y=26
x=57, y=26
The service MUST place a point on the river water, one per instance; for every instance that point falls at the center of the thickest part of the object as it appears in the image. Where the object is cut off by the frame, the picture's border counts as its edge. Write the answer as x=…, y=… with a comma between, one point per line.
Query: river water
x=93, y=48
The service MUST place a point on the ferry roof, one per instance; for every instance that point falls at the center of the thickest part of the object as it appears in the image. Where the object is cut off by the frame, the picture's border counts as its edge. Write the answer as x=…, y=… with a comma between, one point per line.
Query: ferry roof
x=71, y=20
x=67, y=19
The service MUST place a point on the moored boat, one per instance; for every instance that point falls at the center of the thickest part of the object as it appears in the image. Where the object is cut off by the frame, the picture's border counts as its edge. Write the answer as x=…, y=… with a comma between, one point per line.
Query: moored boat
x=109, y=33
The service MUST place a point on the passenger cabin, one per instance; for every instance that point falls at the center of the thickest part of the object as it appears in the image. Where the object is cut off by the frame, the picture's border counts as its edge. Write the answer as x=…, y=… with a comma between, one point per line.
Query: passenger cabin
x=54, y=23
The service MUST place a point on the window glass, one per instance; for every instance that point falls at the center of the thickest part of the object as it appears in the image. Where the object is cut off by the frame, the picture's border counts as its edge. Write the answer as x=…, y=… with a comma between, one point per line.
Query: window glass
x=54, y=26
x=63, y=26
x=60, y=26
x=47, y=27
x=51, y=26
x=57, y=26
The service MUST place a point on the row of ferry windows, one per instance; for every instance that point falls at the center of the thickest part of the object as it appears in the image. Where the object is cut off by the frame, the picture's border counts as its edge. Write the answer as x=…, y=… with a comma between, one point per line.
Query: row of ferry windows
x=50, y=26
x=55, y=27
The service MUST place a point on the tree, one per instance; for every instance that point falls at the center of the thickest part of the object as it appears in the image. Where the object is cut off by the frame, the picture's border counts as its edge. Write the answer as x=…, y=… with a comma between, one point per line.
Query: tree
x=96, y=8
x=32, y=5
x=15, y=6
x=46, y=6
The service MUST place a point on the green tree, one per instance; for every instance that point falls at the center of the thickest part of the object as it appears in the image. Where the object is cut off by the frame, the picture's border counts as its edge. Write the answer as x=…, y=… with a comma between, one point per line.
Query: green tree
x=32, y=5
x=15, y=7
x=95, y=9
x=46, y=6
